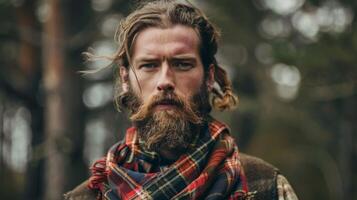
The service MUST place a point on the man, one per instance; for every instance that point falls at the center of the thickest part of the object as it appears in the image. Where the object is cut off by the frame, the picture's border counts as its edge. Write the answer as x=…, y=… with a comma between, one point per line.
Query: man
x=175, y=150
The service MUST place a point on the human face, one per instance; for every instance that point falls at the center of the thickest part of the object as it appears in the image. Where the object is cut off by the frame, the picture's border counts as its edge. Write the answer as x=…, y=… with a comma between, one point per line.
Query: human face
x=166, y=60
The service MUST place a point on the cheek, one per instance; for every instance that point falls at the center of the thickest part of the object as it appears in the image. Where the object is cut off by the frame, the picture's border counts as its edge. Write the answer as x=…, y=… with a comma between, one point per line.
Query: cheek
x=191, y=83
x=135, y=84
x=145, y=83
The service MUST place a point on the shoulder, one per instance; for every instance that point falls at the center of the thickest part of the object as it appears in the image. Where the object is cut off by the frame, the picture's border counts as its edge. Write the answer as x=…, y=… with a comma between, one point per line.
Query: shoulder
x=81, y=192
x=285, y=191
x=264, y=180
x=257, y=169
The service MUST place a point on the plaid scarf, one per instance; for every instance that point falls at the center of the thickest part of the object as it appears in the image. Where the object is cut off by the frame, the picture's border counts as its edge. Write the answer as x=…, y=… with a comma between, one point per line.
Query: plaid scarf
x=210, y=170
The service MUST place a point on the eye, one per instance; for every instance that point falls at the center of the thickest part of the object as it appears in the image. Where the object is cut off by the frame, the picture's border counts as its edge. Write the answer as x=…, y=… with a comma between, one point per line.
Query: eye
x=148, y=66
x=183, y=65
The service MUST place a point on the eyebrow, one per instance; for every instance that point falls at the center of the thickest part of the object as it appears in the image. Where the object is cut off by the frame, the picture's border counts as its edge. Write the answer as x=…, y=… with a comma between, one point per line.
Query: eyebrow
x=140, y=60
x=176, y=57
x=145, y=59
x=184, y=56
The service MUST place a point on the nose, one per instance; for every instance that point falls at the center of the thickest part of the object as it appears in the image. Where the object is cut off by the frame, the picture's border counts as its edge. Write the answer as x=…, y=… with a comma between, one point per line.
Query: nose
x=166, y=80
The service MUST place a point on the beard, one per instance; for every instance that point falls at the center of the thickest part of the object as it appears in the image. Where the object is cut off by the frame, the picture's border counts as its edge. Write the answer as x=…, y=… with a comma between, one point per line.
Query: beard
x=172, y=129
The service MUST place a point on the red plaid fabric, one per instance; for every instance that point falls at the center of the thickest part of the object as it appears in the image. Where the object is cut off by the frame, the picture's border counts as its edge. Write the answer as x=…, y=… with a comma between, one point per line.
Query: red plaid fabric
x=210, y=170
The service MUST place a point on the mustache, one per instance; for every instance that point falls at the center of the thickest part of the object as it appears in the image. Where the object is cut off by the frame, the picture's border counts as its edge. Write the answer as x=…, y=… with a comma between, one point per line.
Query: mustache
x=185, y=108
x=167, y=100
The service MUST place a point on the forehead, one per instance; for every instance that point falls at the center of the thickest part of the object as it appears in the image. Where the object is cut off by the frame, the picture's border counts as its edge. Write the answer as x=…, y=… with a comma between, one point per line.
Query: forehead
x=178, y=39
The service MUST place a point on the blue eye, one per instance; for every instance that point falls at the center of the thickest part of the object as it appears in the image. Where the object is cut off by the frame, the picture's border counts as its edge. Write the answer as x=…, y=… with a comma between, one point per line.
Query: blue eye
x=184, y=66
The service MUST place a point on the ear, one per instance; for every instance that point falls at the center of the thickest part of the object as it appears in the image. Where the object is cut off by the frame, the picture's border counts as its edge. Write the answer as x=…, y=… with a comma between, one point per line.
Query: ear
x=210, y=78
x=124, y=77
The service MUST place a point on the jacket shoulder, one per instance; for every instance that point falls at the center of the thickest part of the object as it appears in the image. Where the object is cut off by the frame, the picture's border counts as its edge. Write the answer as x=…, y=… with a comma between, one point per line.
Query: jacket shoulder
x=261, y=177
x=81, y=192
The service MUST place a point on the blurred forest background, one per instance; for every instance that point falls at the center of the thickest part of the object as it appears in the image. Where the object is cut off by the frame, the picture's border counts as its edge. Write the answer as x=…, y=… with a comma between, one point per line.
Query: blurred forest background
x=292, y=62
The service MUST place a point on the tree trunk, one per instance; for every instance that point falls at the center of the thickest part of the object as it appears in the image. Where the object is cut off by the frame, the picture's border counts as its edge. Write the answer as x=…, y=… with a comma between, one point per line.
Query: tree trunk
x=55, y=121
x=64, y=108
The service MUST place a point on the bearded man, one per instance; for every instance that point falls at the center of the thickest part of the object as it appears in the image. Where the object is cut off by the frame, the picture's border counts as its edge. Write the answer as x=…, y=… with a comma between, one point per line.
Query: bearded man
x=175, y=150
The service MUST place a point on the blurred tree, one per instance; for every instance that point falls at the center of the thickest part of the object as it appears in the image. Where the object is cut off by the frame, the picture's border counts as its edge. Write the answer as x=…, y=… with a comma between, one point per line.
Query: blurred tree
x=64, y=125
x=19, y=83
x=30, y=68
x=274, y=46
x=292, y=63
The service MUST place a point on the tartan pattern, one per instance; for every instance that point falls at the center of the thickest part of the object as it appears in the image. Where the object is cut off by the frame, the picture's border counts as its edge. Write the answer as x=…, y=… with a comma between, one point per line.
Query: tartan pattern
x=210, y=170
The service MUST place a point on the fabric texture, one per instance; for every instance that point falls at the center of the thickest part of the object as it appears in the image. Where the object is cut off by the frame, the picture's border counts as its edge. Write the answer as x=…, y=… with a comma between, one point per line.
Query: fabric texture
x=209, y=170
x=285, y=191
x=261, y=177
x=263, y=180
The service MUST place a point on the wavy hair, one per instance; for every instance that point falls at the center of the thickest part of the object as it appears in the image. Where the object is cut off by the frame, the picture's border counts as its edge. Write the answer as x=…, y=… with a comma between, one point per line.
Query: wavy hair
x=165, y=14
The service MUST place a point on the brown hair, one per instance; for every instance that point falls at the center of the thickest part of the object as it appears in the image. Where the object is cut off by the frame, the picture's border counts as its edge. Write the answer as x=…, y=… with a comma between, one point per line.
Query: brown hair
x=165, y=14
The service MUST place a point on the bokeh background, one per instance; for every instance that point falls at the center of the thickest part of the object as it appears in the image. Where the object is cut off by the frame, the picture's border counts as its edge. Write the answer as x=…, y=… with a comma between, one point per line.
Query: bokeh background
x=292, y=62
